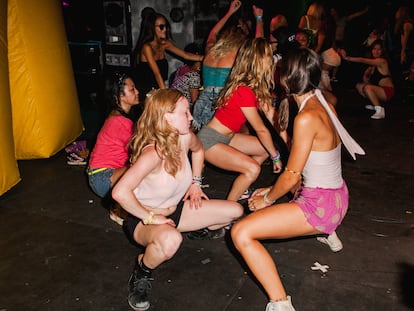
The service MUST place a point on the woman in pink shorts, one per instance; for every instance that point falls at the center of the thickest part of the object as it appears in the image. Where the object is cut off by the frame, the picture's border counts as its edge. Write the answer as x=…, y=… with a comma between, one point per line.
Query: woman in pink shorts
x=320, y=205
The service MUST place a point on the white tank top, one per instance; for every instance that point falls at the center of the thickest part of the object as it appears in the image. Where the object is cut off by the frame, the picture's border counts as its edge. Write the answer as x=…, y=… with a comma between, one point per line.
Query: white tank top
x=323, y=168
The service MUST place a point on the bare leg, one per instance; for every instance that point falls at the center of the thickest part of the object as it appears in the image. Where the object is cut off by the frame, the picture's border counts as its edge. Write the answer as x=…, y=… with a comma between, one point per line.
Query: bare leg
x=277, y=221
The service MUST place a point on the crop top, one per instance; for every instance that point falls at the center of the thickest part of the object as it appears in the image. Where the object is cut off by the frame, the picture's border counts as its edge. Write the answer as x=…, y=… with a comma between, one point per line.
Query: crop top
x=230, y=114
x=215, y=76
x=377, y=76
x=162, y=190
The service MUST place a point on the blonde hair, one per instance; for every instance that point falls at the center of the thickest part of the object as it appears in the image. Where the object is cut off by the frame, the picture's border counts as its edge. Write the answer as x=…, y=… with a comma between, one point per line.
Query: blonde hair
x=316, y=10
x=228, y=42
x=153, y=128
x=251, y=69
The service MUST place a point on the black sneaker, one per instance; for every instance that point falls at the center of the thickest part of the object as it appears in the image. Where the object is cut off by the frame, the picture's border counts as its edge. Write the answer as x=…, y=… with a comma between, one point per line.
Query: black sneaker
x=205, y=234
x=139, y=288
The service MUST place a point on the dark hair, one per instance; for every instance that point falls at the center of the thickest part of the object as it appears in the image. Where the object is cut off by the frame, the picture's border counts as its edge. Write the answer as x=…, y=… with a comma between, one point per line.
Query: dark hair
x=301, y=71
x=147, y=32
x=285, y=39
x=117, y=85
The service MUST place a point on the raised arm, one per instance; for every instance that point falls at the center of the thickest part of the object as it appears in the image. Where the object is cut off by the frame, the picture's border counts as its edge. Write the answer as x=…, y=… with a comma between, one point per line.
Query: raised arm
x=214, y=32
x=258, y=15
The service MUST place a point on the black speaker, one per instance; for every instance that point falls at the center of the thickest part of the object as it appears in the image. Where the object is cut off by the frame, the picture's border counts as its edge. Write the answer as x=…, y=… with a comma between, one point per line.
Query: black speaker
x=117, y=16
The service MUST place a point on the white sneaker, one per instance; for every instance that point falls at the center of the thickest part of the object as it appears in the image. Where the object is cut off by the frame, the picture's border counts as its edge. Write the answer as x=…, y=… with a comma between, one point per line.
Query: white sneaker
x=370, y=107
x=379, y=113
x=285, y=305
x=332, y=241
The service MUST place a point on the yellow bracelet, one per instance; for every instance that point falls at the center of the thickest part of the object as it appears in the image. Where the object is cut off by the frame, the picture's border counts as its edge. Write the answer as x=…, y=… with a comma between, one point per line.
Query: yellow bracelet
x=150, y=219
x=292, y=172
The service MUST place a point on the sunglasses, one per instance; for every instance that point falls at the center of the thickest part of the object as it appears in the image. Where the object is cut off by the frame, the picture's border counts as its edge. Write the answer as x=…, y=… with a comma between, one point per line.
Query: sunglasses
x=161, y=26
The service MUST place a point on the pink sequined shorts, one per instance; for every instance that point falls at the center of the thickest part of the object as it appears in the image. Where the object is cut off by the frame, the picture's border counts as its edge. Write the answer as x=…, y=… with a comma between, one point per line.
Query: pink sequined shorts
x=324, y=208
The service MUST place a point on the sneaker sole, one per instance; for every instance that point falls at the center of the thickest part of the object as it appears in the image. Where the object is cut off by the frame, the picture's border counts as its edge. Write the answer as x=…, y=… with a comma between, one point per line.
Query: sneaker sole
x=334, y=248
x=139, y=308
x=116, y=219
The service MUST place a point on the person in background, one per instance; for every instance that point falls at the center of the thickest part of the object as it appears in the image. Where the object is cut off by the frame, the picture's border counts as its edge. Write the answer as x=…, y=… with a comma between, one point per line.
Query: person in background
x=161, y=190
x=220, y=52
x=277, y=21
x=377, y=84
x=149, y=54
x=187, y=78
x=302, y=37
x=246, y=92
x=109, y=158
x=320, y=205
x=404, y=41
x=312, y=21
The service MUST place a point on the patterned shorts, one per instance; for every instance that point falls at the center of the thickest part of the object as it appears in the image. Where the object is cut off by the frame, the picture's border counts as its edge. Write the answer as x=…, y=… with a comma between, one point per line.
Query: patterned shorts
x=324, y=208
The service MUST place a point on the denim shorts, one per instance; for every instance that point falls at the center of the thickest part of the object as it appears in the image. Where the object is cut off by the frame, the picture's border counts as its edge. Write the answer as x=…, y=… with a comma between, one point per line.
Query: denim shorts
x=203, y=110
x=100, y=182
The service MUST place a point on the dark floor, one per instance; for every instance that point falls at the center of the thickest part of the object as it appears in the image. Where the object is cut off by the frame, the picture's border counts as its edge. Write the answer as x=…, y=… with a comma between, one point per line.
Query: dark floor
x=60, y=251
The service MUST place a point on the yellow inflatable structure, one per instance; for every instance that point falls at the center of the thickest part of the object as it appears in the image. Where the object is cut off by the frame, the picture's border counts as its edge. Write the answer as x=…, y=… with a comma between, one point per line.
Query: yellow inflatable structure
x=45, y=109
x=9, y=172
x=39, y=109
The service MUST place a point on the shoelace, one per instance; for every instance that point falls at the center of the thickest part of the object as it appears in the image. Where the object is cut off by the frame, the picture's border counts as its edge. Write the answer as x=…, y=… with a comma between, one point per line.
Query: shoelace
x=143, y=285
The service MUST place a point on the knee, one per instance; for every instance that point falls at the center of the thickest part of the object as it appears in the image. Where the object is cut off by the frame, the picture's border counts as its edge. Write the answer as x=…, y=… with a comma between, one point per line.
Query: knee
x=252, y=170
x=239, y=235
x=169, y=242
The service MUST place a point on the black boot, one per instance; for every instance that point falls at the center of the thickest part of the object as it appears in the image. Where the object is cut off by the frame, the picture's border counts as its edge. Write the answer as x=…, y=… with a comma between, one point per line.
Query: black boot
x=139, y=285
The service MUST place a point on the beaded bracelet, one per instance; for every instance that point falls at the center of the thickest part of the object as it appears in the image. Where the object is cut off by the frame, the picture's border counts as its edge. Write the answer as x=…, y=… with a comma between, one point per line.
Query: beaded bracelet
x=150, y=219
x=276, y=157
x=197, y=180
x=266, y=201
x=292, y=172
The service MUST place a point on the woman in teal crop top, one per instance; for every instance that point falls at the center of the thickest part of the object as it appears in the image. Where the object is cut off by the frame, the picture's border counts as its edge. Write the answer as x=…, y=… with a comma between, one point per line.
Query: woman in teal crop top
x=162, y=192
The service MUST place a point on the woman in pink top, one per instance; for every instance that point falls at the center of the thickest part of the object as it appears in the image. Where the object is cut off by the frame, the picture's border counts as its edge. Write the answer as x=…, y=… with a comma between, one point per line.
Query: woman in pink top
x=109, y=157
x=161, y=190
x=227, y=144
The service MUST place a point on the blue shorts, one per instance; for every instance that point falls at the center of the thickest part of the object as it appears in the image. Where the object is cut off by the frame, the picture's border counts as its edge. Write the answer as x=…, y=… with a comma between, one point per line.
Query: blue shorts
x=100, y=182
x=204, y=107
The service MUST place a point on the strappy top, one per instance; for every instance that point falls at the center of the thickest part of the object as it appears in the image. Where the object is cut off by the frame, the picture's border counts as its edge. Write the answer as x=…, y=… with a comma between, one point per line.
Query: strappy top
x=377, y=76
x=323, y=168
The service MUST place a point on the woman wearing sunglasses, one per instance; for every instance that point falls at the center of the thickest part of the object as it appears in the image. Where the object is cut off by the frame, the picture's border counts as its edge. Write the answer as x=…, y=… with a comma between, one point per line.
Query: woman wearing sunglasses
x=149, y=55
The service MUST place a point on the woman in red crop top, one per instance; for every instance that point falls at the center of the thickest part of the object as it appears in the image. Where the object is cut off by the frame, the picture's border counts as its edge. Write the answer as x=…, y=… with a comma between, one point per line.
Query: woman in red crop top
x=377, y=83
x=247, y=90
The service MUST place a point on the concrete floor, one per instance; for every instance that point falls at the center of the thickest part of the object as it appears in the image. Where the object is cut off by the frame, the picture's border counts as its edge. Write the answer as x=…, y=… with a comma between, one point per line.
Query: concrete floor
x=60, y=251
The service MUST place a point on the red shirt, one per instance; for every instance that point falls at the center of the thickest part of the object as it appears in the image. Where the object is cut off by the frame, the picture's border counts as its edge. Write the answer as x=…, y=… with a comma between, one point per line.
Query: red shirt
x=230, y=114
x=111, y=148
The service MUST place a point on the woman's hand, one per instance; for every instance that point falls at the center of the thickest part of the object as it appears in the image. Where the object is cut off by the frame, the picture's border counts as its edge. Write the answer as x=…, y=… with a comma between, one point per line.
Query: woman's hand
x=277, y=166
x=195, y=195
x=234, y=6
x=261, y=191
x=256, y=202
x=160, y=219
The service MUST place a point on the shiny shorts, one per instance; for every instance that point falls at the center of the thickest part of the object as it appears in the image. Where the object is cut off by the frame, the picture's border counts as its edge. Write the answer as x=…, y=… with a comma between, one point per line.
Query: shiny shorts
x=324, y=208
x=210, y=137
x=389, y=92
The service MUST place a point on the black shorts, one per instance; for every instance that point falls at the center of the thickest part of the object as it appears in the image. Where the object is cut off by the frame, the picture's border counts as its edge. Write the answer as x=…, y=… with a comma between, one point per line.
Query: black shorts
x=131, y=222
